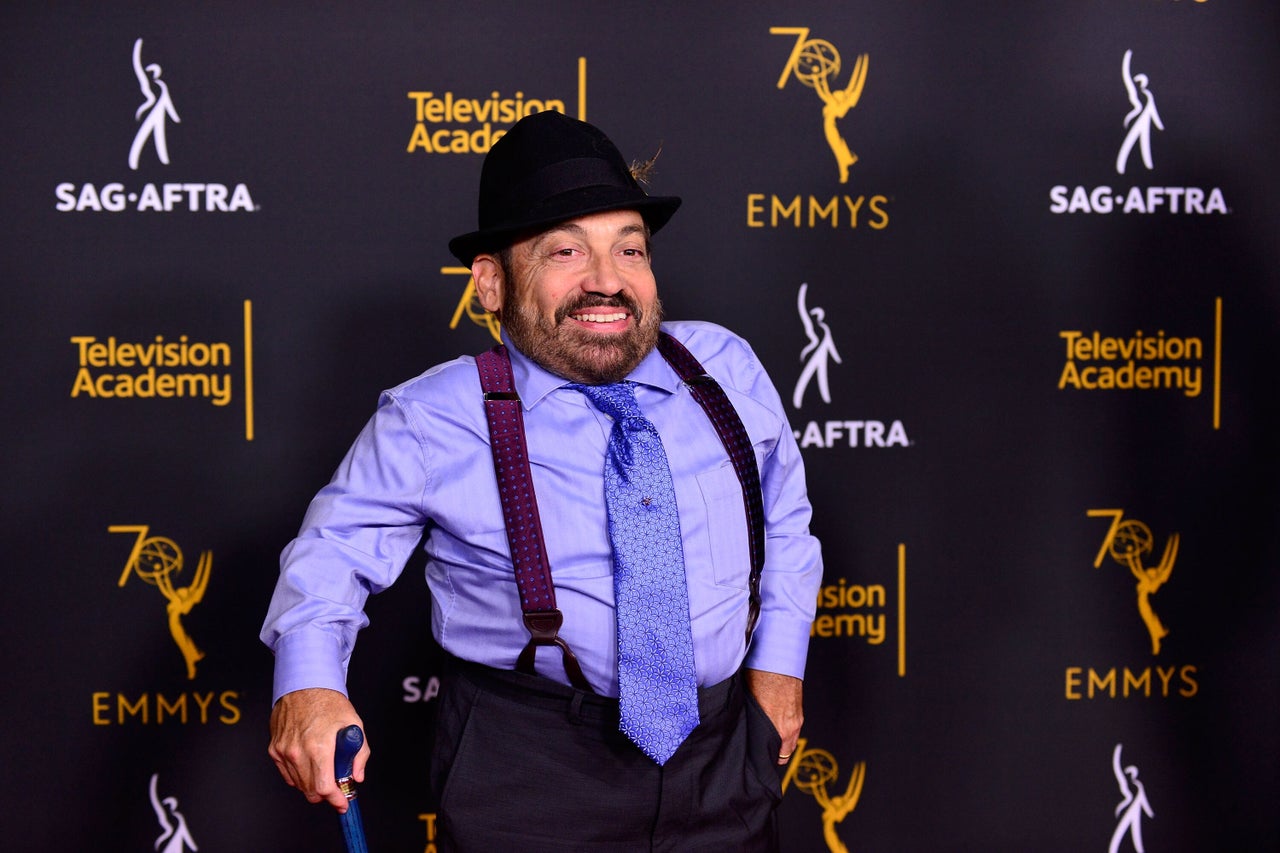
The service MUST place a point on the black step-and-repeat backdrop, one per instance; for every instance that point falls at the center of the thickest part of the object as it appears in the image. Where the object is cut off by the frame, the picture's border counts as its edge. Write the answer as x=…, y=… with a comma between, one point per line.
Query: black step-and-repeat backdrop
x=1013, y=267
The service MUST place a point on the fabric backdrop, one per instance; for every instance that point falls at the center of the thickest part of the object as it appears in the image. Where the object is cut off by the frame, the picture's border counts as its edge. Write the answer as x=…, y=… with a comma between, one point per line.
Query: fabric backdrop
x=1012, y=266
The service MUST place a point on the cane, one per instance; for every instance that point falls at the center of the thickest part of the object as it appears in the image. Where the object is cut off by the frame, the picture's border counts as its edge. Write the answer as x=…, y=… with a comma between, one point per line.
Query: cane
x=350, y=740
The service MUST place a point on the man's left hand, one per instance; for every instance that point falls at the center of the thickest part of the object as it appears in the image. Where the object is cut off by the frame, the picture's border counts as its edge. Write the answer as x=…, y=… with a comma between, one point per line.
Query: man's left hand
x=780, y=696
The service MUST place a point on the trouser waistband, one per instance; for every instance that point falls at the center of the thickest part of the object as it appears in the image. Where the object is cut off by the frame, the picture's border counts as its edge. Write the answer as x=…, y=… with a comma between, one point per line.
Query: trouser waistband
x=536, y=691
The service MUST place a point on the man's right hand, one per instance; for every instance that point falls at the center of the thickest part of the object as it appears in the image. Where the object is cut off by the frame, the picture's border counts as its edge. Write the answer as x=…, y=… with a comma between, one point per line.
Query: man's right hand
x=304, y=730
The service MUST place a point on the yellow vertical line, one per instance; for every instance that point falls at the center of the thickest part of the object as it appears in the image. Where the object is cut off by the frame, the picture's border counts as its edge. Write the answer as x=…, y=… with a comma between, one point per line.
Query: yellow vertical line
x=1217, y=363
x=902, y=610
x=582, y=88
x=248, y=370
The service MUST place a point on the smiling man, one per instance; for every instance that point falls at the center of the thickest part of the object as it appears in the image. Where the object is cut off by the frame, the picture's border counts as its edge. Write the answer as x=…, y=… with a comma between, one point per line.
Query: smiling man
x=615, y=519
x=584, y=302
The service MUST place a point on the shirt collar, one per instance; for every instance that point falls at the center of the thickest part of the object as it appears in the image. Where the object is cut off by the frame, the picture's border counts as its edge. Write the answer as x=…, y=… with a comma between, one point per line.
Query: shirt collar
x=533, y=382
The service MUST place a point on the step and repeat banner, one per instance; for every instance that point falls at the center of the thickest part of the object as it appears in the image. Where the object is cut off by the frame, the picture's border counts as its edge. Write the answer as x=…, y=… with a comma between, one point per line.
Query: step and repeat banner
x=1014, y=269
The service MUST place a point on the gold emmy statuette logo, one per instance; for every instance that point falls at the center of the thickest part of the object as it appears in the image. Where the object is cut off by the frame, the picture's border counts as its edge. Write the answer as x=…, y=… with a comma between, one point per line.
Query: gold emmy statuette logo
x=815, y=62
x=812, y=770
x=470, y=305
x=155, y=560
x=1128, y=542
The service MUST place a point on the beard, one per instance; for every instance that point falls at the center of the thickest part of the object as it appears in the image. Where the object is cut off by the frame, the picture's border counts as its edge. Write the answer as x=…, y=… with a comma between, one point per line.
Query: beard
x=578, y=354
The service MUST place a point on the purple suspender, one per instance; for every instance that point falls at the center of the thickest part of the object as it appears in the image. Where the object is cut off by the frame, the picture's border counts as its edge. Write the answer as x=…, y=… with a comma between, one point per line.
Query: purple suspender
x=733, y=435
x=520, y=505
x=520, y=512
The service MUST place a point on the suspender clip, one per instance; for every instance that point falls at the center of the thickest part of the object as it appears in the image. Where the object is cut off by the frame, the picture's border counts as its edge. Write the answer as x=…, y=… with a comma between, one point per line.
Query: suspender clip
x=544, y=630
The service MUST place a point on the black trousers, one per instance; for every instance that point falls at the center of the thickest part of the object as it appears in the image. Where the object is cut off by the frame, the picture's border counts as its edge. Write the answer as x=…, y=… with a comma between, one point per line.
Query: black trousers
x=524, y=764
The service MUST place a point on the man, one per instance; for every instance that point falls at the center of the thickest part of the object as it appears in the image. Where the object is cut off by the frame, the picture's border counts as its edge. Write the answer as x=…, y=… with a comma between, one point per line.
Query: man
x=549, y=757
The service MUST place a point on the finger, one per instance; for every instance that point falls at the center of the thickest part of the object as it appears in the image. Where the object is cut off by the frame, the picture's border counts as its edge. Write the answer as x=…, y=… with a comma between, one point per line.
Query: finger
x=286, y=767
x=326, y=786
x=362, y=759
x=286, y=772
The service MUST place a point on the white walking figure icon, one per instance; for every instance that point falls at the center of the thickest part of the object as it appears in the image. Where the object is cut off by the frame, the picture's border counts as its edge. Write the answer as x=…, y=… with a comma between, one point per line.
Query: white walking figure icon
x=157, y=109
x=820, y=349
x=1132, y=807
x=1140, y=118
x=176, y=838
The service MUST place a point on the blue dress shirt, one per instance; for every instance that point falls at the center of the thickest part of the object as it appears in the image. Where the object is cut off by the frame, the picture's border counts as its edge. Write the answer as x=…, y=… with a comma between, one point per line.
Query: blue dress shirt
x=423, y=465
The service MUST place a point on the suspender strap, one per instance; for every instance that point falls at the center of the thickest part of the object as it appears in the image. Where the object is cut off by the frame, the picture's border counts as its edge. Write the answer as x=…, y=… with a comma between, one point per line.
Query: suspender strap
x=737, y=444
x=520, y=505
x=520, y=513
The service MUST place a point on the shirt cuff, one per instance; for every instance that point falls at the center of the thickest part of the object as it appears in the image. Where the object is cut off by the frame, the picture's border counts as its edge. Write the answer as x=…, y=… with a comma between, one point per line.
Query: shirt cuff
x=780, y=644
x=308, y=658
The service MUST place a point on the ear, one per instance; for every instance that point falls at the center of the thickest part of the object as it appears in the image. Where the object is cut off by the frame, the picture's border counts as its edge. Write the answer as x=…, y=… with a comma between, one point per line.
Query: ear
x=487, y=274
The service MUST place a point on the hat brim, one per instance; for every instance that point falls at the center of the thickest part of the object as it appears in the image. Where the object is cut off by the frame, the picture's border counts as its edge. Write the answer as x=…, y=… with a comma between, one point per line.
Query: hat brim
x=656, y=211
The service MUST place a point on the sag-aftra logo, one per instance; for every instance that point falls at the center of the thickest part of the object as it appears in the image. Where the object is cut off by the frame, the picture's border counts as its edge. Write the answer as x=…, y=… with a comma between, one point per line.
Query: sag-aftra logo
x=1136, y=158
x=157, y=120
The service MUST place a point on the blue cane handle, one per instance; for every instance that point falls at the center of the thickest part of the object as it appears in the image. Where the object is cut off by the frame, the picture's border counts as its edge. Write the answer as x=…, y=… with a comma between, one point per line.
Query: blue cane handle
x=350, y=740
x=348, y=746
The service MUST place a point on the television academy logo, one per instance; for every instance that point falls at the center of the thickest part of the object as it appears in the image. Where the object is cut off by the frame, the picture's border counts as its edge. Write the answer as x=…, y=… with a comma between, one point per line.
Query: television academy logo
x=449, y=123
x=153, y=116
x=169, y=367
x=817, y=65
x=1140, y=121
x=848, y=611
x=817, y=355
x=180, y=368
x=1146, y=361
x=812, y=771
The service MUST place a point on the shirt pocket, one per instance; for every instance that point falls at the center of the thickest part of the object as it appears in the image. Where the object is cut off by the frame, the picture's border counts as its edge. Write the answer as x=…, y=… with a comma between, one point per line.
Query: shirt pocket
x=726, y=523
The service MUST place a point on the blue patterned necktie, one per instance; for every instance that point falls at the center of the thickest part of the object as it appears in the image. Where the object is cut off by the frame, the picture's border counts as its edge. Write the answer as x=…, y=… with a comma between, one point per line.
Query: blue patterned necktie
x=657, y=683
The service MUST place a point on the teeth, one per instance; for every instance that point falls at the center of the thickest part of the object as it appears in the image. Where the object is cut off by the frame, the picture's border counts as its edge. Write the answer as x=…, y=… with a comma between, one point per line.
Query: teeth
x=600, y=318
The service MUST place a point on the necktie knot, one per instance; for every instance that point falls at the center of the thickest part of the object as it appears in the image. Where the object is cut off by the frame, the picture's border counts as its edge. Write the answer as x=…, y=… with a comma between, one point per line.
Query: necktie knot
x=617, y=400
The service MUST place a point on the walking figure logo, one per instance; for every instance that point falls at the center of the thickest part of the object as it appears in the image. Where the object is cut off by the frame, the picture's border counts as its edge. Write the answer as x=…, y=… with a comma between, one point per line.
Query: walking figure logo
x=156, y=107
x=174, y=835
x=1140, y=119
x=812, y=770
x=1133, y=805
x=155, y=560
x=1128, y=542
x=819, y=351
x=815, y=63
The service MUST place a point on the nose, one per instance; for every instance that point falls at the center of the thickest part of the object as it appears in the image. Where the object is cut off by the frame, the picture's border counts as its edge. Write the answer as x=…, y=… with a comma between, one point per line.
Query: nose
x=603, y=276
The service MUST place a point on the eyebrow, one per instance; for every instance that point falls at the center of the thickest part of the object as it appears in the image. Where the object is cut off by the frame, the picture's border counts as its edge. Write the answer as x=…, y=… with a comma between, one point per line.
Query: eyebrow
x=578, y=231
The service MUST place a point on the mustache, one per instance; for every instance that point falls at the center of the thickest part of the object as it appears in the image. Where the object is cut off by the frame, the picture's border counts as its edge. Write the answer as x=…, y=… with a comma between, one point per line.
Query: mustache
x=595, y=300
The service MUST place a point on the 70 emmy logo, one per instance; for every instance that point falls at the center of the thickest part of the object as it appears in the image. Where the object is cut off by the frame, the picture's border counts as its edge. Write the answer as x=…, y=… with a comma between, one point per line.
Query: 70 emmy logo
x=815, y=62
x=812, y=770
x=155, y=560
x=1128, y=542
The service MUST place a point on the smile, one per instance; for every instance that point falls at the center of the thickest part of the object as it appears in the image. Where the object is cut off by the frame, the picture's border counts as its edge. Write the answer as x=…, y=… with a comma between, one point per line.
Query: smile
x=600, y=318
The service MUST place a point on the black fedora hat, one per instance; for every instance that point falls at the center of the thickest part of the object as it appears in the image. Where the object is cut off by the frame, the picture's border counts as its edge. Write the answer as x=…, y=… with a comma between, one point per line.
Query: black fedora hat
x=550, y=168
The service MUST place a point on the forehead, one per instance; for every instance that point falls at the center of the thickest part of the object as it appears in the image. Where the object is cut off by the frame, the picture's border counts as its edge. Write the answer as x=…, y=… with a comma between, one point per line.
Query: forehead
x=610, y=223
